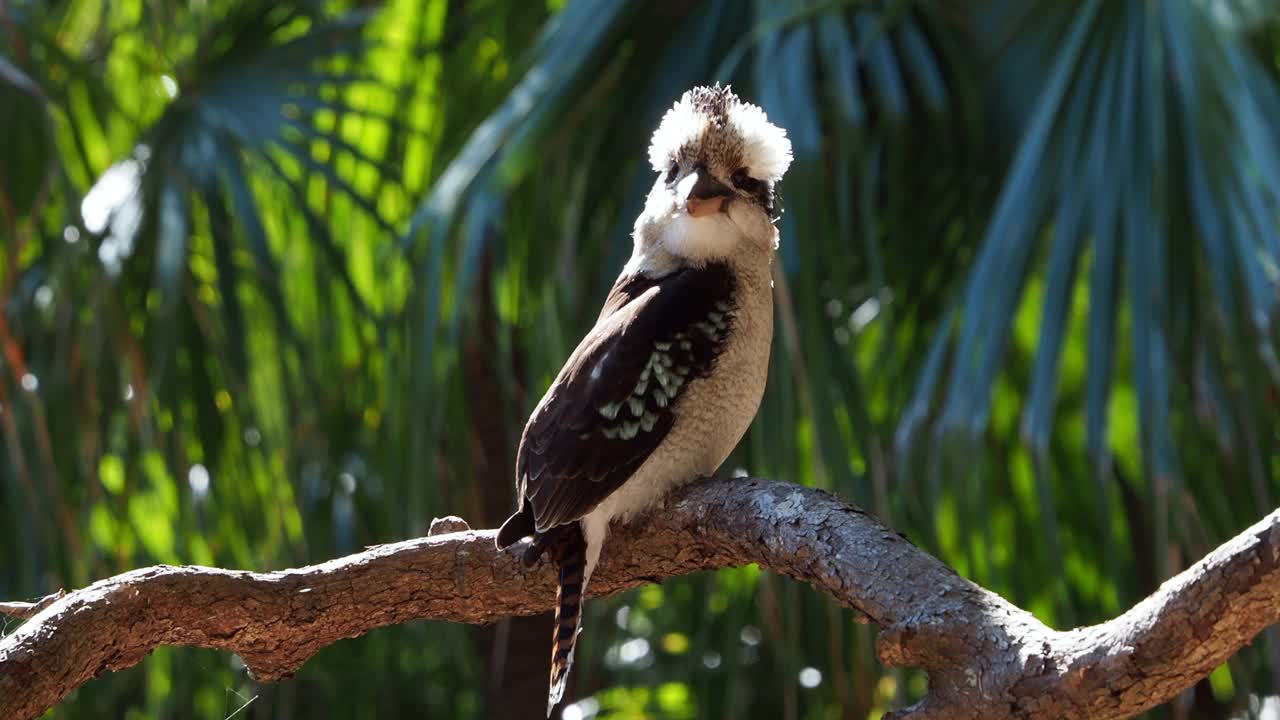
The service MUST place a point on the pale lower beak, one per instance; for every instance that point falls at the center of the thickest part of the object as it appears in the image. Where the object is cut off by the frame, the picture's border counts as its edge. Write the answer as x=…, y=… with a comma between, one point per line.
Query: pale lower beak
x=703, y=194
x=701, y=207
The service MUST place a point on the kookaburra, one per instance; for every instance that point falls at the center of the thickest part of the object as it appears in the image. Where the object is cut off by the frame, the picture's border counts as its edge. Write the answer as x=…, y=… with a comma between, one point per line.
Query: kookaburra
x=660, y=391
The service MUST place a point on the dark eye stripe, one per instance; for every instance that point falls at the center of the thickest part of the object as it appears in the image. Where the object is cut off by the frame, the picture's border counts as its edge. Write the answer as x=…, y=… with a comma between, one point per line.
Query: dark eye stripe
x=762, y=191
x=671, y=174
x=745, y=182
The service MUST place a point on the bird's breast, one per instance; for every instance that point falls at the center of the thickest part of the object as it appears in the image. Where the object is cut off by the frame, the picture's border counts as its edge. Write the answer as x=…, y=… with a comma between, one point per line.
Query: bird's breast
x=715, y=410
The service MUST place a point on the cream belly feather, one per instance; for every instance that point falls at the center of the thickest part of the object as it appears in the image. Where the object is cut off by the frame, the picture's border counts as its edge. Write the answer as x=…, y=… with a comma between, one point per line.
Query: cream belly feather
x=712, y=416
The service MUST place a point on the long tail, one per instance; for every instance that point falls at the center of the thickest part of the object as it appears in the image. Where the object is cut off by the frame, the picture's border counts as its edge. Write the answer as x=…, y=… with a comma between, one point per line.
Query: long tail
x=569, y=552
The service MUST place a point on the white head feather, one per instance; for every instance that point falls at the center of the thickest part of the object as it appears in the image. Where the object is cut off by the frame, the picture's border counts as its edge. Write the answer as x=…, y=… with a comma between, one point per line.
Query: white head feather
x=764, y=148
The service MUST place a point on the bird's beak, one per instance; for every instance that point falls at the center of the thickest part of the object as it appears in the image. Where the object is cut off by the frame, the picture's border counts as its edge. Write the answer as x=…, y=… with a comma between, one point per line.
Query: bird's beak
x=703, y=194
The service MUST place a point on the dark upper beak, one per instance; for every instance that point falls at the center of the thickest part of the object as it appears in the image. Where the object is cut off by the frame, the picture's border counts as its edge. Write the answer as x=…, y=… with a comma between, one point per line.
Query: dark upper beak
x=707, y=196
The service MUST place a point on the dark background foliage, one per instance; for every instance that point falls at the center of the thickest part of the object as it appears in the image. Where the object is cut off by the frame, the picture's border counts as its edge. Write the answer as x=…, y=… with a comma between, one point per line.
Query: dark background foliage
x=280, y=280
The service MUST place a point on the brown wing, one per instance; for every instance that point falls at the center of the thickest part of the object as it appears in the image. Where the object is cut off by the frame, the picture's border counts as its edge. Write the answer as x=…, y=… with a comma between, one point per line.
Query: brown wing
x=614, y=400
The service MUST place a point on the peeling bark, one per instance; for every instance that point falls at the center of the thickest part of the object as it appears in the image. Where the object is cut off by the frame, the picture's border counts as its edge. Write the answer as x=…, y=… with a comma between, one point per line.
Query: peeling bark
x=985, y=657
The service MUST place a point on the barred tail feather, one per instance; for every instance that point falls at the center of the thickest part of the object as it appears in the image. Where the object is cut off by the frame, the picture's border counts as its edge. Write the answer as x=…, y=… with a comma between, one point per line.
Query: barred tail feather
x=570, y=555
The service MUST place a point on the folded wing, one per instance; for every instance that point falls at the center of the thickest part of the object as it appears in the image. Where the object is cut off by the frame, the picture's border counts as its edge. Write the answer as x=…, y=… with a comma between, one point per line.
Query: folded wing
x=617, y=396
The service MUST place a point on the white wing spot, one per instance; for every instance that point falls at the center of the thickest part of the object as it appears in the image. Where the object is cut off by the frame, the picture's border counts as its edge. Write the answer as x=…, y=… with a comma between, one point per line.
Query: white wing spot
x=667, y=378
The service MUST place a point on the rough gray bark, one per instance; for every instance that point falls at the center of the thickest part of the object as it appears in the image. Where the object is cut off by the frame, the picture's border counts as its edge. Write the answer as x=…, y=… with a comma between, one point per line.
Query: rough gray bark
x=985, y=657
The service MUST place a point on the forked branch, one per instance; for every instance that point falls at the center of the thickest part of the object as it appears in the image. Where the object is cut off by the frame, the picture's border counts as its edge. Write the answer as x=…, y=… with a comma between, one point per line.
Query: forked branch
x=985, y=657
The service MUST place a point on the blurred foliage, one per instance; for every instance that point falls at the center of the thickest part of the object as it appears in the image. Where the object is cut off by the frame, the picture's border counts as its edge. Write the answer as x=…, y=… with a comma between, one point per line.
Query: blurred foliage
x=279, y=280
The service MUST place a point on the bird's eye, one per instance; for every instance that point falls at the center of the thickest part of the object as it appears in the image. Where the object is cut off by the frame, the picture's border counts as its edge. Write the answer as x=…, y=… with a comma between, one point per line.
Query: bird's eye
x=745, y=182
x=671, y=173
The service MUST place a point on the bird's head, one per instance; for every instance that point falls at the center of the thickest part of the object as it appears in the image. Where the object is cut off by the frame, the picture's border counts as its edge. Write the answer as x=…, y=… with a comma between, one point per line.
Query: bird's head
x=718, y=159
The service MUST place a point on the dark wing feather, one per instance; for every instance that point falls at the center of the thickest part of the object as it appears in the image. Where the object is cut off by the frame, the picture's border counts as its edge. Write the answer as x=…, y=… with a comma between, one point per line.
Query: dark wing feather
x=614, y=400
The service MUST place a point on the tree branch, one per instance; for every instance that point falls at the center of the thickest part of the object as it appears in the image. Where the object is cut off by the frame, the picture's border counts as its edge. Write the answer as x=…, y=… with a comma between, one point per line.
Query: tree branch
x=985, y=657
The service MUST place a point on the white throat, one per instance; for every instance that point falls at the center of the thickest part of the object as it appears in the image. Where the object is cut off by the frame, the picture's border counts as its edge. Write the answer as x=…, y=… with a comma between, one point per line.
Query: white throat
x=679, y=240
x=667, y=238
x=700, y=240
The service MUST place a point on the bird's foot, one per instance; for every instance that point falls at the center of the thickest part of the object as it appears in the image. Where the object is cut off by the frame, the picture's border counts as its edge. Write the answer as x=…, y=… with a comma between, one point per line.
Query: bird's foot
x=534, y=552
